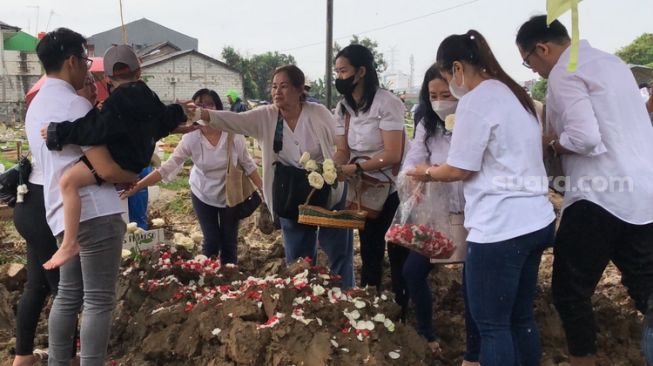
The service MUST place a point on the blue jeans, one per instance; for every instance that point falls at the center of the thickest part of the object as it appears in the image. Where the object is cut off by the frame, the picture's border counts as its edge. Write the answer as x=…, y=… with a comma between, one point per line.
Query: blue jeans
x=501, y=286
x=301, y=241
x=416, y=271
x=138, y=203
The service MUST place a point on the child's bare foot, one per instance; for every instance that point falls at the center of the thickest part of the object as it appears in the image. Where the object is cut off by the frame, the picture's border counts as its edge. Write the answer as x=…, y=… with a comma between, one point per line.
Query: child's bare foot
x=62, y=255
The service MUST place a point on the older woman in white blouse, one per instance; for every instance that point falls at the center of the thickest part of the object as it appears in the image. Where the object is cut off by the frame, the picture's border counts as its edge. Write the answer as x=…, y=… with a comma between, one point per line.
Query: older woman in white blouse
x=307, y=127
x=207, y=148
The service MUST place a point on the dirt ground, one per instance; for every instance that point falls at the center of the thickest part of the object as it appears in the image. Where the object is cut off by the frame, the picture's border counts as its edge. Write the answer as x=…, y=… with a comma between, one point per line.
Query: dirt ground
x=175, y=308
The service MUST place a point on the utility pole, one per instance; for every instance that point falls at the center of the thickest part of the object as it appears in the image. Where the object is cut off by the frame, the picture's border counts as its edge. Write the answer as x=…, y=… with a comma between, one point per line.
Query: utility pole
x=328, y=77
x=412, y=72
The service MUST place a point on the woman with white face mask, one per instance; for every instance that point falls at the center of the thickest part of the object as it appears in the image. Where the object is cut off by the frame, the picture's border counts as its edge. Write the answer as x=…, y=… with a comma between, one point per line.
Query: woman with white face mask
x=431, y=146
x=496, y=150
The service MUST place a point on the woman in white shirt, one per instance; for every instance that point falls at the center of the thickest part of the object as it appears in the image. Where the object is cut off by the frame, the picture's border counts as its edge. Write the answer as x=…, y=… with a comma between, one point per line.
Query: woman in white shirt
x=496, y=150
x=207, y=148
x=431, y=146
x=285, y=130
x=370, y=123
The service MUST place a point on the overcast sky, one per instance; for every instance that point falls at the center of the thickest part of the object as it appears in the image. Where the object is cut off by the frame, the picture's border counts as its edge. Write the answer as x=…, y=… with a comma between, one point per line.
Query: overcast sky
x=298, y=27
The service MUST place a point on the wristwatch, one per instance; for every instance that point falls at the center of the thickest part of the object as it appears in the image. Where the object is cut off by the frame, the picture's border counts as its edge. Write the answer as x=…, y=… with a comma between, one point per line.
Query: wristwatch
x=359, y=168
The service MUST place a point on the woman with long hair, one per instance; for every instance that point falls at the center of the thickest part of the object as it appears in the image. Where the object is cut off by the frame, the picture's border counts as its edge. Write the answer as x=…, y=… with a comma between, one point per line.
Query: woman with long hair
x=208, y=149
x=496, y=150
x=370, y=123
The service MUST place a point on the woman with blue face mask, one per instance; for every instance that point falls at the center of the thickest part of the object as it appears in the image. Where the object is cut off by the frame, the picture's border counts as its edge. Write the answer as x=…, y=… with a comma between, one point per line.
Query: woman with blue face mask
x=431, y=146
x=496, y=151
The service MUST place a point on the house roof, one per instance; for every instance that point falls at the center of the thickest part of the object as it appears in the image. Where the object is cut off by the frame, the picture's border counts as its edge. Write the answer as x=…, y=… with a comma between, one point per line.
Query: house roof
x=143, y=52
x=141, y=33
x=21, y=41
x=5, y=26
x=174, y=55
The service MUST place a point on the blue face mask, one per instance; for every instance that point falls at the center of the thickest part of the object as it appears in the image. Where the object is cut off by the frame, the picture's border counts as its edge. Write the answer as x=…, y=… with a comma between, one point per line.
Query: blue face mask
x=457, y=91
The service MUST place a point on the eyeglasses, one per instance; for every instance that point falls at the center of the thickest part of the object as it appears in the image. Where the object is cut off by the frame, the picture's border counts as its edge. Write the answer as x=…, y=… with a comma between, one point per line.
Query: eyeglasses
x=525, y=60
x=88, y=61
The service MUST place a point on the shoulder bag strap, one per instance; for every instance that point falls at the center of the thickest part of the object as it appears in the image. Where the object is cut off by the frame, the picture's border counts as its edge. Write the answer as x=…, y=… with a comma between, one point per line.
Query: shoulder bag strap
x=278, y=135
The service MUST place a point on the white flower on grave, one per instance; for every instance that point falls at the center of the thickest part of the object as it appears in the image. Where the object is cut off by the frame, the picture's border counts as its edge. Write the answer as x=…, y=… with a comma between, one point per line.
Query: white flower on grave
x=379, y=318
x=131, y=227
x=304, y=158
x=125, y=253
x=139, y=231
x=158, y=222
x=389, y=325
x=315, y=180
x=449, y=122
x=393, y=355
x=197, y=237
x=330, y=176
x=311, y=165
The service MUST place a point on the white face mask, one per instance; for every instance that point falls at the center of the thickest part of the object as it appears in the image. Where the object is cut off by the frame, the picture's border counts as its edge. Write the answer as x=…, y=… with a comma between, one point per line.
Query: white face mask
x=443, y=108
x=457, y=91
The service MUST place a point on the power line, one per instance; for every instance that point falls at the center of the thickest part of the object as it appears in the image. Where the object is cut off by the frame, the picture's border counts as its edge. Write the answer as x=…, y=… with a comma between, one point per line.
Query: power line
x=387, y=26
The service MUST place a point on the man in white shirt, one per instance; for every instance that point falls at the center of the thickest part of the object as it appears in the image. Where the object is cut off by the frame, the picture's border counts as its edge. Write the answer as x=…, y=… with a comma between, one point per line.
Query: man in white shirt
x=89, y=279
x=603, y=134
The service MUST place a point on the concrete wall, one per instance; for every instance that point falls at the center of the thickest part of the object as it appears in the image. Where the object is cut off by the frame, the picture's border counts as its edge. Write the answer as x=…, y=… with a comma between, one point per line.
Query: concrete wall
x=180, y=77
x=18, y=72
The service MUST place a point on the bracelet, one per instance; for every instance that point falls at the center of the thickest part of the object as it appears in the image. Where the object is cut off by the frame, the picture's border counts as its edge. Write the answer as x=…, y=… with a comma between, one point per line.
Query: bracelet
x=359, y=168
x=427, y=173
x=552, y=145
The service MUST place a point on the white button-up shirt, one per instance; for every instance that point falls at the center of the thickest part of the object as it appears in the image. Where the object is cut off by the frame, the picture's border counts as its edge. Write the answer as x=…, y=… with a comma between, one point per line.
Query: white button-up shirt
x=597, y=112
x=58, y=102
x=434, y=151
x=209, y=172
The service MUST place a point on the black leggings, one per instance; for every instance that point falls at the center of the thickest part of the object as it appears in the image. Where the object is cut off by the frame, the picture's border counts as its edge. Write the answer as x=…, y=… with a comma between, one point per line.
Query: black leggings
x=29, y=219
x=372, y=241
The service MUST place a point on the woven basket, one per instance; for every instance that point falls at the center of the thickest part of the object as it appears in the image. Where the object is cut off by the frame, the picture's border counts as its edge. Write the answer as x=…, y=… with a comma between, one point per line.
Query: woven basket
x=339, y=219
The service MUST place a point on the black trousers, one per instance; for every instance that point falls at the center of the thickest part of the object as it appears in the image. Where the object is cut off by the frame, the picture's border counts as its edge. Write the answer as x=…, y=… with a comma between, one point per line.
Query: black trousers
x=588, y=238
x=373, y=245
x=29, y=219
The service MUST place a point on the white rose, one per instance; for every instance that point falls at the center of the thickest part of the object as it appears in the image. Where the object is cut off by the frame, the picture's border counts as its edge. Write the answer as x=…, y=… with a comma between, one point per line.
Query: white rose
x=197, y=237
x=131, y=227
x=305, y=158
x=449, y=122
x=125, y=253
x=158, y=222
x=328, y=165
x=330, y=176
x=315, y=180
x=139, y=231
x=310, y=165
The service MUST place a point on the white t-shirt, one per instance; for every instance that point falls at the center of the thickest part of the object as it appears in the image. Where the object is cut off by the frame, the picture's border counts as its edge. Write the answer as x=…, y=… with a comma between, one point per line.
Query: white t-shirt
x=295, y=143
x=498, y=139
x=597, y=112
x=365, y=139
x=209, y=172
x=58, y=102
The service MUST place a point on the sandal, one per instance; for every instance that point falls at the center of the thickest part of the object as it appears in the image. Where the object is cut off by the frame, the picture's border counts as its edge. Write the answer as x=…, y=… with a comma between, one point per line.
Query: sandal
x=40, y=355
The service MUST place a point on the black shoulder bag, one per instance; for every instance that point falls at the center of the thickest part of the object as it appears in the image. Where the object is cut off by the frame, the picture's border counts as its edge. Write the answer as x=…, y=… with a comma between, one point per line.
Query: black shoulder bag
x=290, y=186
x=12, y=178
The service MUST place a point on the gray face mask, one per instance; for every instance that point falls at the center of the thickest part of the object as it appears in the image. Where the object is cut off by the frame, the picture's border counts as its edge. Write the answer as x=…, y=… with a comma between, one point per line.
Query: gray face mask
x=443, y=108
x=457, y=91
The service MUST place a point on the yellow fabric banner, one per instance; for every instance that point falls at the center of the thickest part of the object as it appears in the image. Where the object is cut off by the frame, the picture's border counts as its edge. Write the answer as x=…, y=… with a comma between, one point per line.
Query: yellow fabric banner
x=554, y=9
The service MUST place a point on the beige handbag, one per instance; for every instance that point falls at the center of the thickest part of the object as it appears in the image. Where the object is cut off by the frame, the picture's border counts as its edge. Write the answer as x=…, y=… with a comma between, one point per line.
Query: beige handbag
x=238, y=185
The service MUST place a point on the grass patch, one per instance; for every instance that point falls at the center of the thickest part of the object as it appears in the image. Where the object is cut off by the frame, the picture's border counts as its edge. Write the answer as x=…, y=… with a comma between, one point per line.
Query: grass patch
x=176, y=185
x=181, y=204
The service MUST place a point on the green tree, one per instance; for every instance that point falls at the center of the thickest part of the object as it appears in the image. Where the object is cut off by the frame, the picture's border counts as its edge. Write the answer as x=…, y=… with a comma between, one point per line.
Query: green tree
x=639, y=51
x=256, y=70
x=379, y=61
x=539, y=90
